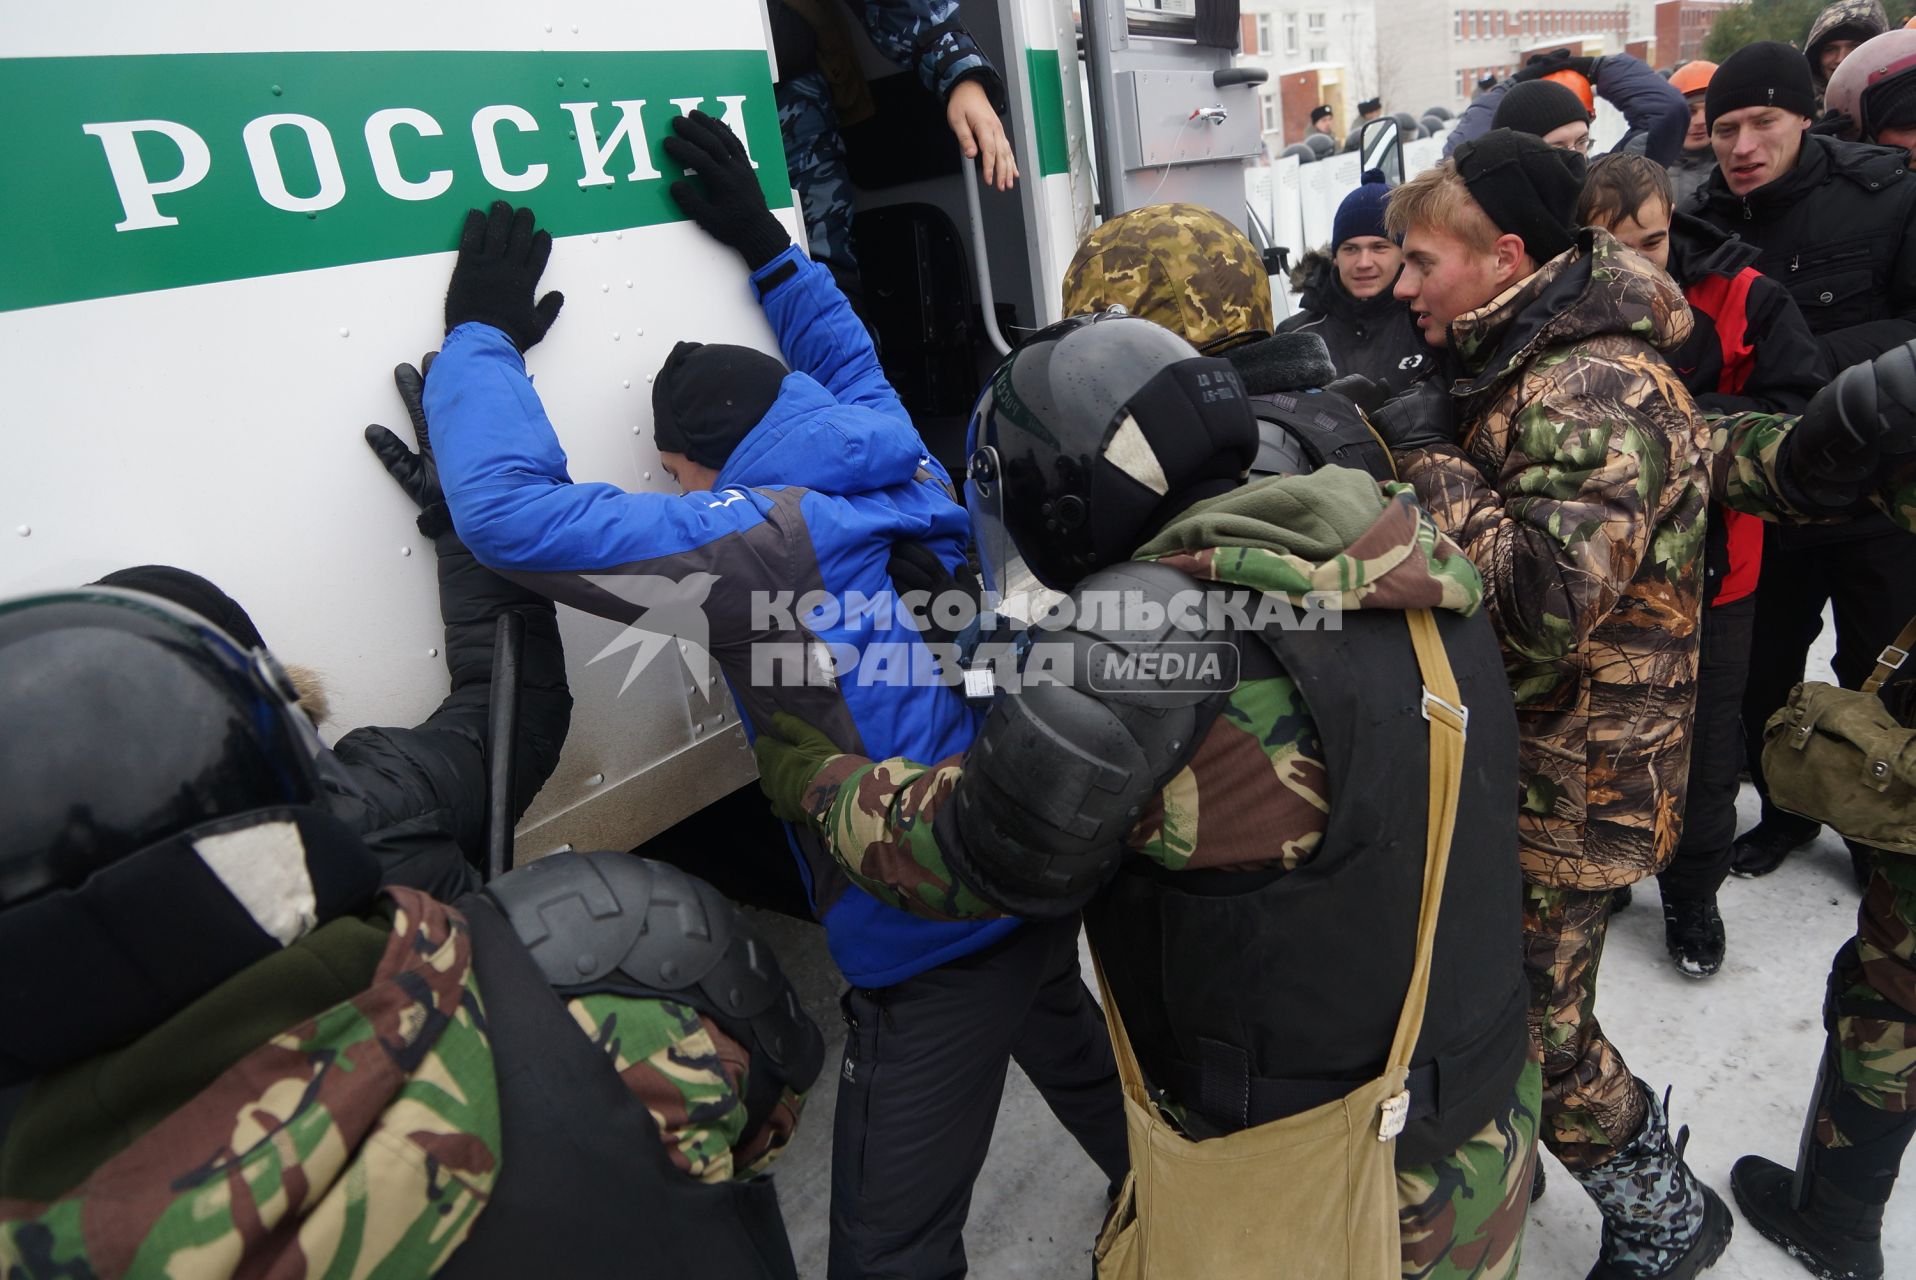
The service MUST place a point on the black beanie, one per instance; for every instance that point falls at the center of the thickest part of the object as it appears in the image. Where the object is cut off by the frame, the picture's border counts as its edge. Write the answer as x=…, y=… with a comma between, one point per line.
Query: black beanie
x=1891, y=104
x=1526, y=186
x=189, y=591
x=1537, y=107
x=708, y=396
x=1768, y=73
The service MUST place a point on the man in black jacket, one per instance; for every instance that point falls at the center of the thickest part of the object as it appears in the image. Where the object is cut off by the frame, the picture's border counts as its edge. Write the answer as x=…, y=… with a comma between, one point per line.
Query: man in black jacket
x=1836, y=225
x=417, y=797
x=1348, y=300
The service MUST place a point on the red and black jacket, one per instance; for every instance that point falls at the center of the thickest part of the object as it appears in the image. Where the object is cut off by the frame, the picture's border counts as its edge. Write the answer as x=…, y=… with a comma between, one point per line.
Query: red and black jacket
x=1750, y=350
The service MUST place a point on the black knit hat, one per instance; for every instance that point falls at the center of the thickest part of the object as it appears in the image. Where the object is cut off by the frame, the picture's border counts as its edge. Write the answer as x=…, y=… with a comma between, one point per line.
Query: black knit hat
x=1768, y=73
x=1891, y=104
x=1537, y=107
x=708, y=397
x=1527, y=187
x=189, y=591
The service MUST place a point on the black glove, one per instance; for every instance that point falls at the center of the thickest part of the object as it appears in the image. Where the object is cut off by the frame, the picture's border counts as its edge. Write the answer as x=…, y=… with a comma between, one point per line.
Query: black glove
x=500, y=260
x=732, y=209
x=1421, y=417
x=417, y=473
x=915, y=567
x=1869, y=411
x=1836, y=124
x=1361, y=391
x=1548, y=64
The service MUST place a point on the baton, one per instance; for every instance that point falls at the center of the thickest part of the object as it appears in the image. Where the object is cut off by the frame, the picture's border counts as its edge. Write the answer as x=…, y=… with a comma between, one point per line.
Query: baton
x=502, y=732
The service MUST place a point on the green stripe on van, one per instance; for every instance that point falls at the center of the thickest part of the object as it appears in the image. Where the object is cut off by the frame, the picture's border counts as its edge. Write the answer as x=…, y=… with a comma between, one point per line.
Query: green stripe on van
x=382, y=155
x=1046, y=68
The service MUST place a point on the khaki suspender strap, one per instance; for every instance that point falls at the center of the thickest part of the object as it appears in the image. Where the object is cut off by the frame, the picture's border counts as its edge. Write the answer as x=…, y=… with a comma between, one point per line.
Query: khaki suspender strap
x=1891, y=658
x=1449, y=718
x=1443, y=707
x=1130, y=1075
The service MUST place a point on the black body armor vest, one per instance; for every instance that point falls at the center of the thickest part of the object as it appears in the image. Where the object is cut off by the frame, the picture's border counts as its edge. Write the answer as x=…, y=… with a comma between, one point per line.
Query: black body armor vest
x=585, y=1188
x=1251, y=996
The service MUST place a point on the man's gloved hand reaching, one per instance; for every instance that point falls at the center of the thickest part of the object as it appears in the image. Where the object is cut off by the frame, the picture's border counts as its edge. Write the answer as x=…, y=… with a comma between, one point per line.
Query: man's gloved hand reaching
x=732, y=208
x=790, y=754
x=1834, y=453
x=1419, y=418
x=501, y=258
x=1549, y=64
x=417, y=473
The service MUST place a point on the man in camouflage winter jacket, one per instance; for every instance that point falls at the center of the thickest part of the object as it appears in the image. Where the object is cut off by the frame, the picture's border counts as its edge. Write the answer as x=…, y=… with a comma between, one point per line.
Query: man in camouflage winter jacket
x=1574, y=478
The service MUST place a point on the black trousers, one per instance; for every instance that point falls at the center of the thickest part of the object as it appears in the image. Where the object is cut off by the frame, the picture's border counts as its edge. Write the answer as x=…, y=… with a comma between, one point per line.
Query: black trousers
x=918, y=1095
x=1872, y=584
x=1702, y=858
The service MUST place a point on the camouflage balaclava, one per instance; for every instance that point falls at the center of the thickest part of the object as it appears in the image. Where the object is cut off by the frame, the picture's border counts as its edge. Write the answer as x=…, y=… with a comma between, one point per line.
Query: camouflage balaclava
x=1182, y=266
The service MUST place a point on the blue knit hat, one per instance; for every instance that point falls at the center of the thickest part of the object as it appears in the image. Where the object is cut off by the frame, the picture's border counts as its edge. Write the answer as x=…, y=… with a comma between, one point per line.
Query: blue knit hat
x=1362, y=213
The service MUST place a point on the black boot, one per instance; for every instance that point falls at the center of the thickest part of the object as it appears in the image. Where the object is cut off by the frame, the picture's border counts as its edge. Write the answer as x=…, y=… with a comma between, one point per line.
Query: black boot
x=1620, y=899
x=1659, y=1221
x=1835, y=1235
x=1693, y=931
x=1762, y=848
x=1537, y=1179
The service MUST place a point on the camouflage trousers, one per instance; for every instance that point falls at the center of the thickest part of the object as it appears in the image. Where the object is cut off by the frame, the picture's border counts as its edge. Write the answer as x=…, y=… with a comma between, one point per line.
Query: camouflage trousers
x=1874, y=985
x=1464, y=1215
x=1591, y=1103
x=815, y=154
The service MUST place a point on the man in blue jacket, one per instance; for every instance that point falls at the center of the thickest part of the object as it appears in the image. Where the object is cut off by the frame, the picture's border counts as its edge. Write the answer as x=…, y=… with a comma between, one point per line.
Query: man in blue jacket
x=794, y=482
x=1656, y=113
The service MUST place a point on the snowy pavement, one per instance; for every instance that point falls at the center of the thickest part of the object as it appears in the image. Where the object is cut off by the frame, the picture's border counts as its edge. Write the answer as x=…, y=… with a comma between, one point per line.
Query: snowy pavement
x=1740, y=1050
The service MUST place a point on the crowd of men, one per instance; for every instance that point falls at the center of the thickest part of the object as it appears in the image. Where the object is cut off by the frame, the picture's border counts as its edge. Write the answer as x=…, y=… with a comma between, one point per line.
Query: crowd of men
x=1576, y=459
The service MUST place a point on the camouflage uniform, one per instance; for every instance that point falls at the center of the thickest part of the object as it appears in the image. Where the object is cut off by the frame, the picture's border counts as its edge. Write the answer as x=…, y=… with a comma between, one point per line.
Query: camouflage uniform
x=1254, y=797
x=365, y=1139
x=924, y=36
x=1876, y=971
x=1589, y=537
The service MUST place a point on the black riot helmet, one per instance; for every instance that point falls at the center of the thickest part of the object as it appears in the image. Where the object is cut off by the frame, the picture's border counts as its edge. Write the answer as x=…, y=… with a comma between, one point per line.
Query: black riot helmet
x=1090, y=436
x=164, y=822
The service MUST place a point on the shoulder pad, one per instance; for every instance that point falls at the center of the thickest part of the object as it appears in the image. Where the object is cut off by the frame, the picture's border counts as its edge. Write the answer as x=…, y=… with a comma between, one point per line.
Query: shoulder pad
x=611, y=922
x=1325, y=428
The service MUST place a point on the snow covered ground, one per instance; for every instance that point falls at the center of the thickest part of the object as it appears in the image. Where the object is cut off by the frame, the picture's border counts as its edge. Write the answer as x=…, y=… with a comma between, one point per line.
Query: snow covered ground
x=1740, y=1050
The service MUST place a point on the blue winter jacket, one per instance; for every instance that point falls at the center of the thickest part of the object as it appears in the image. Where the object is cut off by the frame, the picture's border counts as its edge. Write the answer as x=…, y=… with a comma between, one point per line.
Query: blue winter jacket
x=1657, y=114
x=811, y=500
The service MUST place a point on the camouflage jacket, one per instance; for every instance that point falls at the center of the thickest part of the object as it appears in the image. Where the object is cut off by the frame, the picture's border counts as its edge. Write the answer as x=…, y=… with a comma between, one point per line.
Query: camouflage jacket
x=1255, y=795
x=1860, y=19
x=362, y=1140
x=928, y=38
x=1579, y=491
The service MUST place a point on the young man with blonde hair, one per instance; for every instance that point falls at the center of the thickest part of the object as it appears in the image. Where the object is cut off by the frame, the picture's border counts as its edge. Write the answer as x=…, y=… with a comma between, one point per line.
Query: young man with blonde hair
x=1567, y=461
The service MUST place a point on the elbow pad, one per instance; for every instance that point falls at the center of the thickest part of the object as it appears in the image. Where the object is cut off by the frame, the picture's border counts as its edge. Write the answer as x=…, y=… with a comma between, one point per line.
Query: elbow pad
x=1061, y=773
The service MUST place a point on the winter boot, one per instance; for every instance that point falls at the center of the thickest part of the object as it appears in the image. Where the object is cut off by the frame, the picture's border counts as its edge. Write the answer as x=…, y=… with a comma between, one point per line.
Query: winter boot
x=1537, y=1179
x=1762, y=848
x=1693, y=932
x=1835, y=1235
x=1828, y=1214
x=1620, y=899
x=1659, y=1221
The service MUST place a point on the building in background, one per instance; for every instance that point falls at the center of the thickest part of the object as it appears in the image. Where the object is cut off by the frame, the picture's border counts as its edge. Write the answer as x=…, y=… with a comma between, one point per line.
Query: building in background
x=1683, y=26
x=1333, y=40
x=1431, y=53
